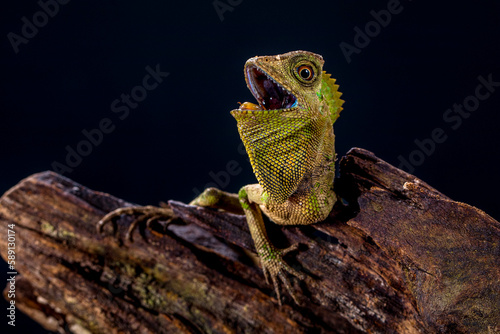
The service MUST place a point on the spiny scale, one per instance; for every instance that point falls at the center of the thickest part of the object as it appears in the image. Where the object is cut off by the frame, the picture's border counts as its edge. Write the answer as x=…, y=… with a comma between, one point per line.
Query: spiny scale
x=332, y=95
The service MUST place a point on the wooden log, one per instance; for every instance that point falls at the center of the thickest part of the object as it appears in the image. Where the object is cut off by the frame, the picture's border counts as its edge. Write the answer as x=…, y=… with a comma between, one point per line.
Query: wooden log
x=400, y=258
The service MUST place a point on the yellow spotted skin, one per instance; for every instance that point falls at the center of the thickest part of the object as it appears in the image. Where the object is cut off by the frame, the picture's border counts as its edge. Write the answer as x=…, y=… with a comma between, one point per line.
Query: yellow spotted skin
x=291, y=152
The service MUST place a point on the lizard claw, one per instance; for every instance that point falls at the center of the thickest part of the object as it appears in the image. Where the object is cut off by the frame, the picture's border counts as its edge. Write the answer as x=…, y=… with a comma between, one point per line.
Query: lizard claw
x=148, y=214
x=274, y=266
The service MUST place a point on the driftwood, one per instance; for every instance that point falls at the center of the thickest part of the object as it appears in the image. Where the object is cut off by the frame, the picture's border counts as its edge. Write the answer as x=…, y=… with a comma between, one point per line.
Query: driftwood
x=396, y=256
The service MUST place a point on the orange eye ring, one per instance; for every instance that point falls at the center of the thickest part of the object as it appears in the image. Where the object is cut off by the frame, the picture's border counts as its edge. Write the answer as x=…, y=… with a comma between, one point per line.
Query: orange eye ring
x=305, y=72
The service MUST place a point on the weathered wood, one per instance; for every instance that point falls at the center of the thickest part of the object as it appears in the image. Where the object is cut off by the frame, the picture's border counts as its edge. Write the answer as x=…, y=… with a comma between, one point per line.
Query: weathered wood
x=401, y=258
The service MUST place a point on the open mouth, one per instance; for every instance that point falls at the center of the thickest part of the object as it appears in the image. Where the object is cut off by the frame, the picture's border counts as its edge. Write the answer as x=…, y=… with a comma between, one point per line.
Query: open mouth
x=269, y=94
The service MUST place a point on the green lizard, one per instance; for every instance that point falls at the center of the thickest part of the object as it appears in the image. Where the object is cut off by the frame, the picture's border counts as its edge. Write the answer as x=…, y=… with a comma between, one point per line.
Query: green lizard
x=289, y=139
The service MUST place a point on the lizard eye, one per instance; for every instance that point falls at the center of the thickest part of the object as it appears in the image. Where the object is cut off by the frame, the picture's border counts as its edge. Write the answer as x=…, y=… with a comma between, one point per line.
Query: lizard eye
x=305, y=73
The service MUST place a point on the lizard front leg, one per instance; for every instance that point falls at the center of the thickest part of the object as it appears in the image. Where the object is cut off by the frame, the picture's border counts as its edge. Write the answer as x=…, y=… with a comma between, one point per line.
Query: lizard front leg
x=211, y=197
x=251, y=196
x=218, y=199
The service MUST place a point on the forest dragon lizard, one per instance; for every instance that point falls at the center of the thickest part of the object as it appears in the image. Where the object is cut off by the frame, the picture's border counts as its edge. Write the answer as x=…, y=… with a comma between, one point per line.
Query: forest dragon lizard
x=289, y=139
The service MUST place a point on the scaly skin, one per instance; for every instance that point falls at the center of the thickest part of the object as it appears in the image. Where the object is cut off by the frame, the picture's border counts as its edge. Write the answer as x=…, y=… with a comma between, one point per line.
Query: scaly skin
x=289, y=139
x=291, y=150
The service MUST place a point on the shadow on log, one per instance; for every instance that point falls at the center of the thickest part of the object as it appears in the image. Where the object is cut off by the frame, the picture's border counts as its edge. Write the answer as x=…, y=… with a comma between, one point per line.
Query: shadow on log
x=401, y=258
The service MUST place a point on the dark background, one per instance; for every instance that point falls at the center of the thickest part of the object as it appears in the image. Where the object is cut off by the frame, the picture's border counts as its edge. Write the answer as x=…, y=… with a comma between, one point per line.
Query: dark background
x=396, y=89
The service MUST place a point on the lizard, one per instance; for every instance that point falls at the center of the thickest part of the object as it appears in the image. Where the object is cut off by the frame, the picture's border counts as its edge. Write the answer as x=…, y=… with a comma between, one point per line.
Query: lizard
x=288, y=136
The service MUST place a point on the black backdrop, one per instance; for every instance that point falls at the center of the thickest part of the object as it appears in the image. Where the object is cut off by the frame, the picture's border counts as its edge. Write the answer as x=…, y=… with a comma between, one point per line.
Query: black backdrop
x=63, y=75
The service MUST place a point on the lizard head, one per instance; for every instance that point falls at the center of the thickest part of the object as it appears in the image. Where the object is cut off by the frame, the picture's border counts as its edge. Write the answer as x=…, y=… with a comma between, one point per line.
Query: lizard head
x=287, y=82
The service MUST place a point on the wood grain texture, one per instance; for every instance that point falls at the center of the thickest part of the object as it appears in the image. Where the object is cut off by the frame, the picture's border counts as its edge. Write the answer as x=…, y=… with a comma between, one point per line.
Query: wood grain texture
x=400, y=258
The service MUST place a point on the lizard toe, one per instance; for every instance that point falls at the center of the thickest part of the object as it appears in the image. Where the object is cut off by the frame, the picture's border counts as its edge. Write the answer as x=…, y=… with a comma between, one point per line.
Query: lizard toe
x=275, y=267
x=146, y=215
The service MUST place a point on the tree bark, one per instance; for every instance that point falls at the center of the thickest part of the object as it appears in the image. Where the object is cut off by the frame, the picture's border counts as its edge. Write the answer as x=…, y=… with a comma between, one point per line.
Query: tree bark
x=395, y=256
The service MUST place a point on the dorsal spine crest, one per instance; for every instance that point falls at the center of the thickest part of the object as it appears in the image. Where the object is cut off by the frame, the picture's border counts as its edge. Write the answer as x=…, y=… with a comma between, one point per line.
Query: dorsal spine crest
x=331, y=95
